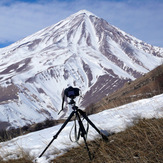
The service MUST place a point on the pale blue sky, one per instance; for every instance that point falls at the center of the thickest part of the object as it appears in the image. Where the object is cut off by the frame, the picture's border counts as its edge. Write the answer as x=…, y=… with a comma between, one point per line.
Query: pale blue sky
x=140, y=18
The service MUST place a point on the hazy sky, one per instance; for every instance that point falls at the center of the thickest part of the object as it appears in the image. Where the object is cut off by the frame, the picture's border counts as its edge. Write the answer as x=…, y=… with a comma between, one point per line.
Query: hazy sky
x=140, y=18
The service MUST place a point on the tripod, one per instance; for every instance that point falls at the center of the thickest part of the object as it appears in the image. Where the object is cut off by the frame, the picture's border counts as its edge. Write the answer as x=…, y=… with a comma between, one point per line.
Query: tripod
x=76, y=111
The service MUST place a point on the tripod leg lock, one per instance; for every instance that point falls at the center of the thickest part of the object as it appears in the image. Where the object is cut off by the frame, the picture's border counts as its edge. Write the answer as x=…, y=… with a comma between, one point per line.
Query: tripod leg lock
x=55, y=136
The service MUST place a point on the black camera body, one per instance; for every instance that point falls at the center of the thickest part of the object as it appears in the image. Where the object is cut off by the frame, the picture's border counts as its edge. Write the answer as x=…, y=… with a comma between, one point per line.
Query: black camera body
x=71, y=92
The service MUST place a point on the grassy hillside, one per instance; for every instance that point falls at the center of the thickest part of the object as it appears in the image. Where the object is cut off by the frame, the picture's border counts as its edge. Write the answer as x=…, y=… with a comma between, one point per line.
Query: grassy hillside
x=138, y=144
x=148, y=85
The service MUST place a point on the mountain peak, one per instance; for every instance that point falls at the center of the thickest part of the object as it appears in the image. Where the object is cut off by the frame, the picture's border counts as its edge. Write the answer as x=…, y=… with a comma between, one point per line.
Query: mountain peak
x=84, y=12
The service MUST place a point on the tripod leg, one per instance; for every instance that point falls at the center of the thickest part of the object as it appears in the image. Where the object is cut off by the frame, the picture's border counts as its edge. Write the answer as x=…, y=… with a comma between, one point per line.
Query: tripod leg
x=89, y=153
x=83, y=134
x=46, y=147
x=56, y=135
x=91, y=123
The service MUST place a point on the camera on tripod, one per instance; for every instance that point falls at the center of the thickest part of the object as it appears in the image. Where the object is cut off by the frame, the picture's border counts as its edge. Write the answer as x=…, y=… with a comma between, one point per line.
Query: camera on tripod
x=78, y=113
x=71, y=92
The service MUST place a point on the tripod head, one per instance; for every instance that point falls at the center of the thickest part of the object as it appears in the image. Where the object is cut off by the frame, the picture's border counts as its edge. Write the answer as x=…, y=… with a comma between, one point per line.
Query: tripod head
x=72, y=102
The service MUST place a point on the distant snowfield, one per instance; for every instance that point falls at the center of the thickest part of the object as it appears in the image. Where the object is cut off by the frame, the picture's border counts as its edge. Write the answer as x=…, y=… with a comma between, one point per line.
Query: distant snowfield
x=111, y=120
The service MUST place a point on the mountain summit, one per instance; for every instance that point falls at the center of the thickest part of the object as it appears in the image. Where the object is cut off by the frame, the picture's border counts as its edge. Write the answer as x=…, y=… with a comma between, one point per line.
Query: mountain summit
x=83, y=51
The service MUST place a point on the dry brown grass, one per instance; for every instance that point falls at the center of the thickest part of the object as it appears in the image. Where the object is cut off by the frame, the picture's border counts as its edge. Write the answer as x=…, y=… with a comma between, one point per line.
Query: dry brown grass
x=22, y=160
x=22, y=157
x=141, y=143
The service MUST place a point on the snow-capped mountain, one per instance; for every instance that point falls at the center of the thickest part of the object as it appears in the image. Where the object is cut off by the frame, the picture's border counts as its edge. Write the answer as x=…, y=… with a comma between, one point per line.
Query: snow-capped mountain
x=83, y=51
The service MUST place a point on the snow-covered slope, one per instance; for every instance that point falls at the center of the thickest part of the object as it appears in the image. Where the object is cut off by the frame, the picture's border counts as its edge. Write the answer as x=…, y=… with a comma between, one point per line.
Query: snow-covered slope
x=112, y=120
x=83, y=51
